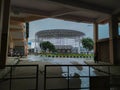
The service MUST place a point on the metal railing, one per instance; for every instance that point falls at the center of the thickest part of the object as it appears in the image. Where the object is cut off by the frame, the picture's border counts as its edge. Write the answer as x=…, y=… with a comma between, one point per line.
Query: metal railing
x=11, y=77
x=103, y=71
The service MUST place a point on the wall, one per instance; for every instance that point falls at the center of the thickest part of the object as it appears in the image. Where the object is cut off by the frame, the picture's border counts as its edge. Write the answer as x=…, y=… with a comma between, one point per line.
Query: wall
x=118, y=51
x=103, y=49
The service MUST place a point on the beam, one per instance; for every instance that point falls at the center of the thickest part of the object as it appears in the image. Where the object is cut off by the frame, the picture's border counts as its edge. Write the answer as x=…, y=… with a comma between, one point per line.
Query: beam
x=84, y=5
x=62, y=12
x=43, y=14
x=26, y=19
x=103, y=20
x=32, y=18
x=17, y=10
x=77, y=18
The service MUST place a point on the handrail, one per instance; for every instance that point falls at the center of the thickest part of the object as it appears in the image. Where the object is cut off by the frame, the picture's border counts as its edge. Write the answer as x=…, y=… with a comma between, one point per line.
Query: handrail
x=108, y=73
x=12, y=67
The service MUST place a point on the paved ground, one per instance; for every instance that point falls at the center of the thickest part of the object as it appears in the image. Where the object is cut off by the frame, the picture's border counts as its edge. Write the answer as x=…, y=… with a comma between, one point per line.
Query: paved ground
x=10, y=61
x=58, y=71
x=74, y=71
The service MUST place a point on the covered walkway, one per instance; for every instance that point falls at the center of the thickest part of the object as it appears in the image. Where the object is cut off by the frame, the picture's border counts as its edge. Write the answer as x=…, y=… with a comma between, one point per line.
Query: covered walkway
x=24, y=11
x=14, y=14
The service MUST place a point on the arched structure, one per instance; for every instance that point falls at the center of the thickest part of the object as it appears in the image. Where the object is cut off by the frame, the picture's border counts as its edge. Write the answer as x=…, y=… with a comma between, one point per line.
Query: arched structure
x=60, y=38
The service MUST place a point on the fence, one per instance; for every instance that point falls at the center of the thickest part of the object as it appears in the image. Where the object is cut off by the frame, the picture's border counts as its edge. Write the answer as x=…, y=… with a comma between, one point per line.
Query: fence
x=10, y=76
x=104, y=78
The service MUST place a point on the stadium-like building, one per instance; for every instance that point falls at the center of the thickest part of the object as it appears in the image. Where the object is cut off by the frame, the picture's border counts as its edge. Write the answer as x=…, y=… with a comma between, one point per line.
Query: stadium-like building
x=65, y=41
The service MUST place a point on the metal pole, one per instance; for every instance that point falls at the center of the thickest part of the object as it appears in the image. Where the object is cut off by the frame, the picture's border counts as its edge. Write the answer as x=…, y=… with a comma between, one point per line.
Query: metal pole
x=109, y=76
x=37, y=77
x=45, y=79
x=10, y=87
x=68, y=76
x=89, y=77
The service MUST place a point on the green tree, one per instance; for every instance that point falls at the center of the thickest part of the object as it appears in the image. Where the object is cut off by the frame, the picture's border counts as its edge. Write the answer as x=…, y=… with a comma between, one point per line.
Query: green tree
x=87, y=44
x=46, y=45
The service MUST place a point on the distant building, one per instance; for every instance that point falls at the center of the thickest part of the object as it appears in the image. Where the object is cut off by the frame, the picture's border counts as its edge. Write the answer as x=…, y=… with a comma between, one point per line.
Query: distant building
x=65, y=40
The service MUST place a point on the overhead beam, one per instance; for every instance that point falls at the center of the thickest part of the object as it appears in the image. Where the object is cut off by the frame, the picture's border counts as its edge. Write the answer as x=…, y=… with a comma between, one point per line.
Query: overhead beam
x=62, y=11
x=77, y=18
x=103, y=20
x=32, y=18
x=84, y=5
x=43, y=14
x=17, y=10
x=26, y=19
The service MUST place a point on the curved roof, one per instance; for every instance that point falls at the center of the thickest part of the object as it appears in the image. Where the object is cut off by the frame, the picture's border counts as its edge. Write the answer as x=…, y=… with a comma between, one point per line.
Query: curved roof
x=59, y=33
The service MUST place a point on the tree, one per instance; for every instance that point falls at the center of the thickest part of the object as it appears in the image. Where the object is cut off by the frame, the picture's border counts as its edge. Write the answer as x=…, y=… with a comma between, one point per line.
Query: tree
x=46, y=45
x=87, y=44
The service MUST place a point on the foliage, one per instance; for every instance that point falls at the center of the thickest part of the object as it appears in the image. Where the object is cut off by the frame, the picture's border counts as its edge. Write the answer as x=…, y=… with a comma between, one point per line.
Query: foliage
x=47, y=46
x=87, y=44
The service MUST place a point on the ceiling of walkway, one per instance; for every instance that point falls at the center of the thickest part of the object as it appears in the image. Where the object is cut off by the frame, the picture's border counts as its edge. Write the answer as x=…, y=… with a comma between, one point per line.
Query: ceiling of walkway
x=72, y=10
x=88, y=11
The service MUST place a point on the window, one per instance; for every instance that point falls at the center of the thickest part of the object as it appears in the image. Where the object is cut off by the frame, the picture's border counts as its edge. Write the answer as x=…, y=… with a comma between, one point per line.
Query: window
x=103, y=31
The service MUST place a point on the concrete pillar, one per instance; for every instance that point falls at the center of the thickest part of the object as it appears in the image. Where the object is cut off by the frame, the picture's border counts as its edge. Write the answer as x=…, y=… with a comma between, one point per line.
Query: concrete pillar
x=11, y=44
x=26, y=47
x=95, y=36
x=113, y=31
x=1, y=6
x=4, y=22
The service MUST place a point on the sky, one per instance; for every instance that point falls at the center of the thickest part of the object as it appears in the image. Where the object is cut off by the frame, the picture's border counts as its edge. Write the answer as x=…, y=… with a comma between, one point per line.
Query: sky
x=49, y=23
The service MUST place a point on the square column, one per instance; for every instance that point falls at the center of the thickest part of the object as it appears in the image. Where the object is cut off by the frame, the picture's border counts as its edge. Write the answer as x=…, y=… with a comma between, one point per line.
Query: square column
x=4, y=29
x=1, y=5
x=113, y=40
